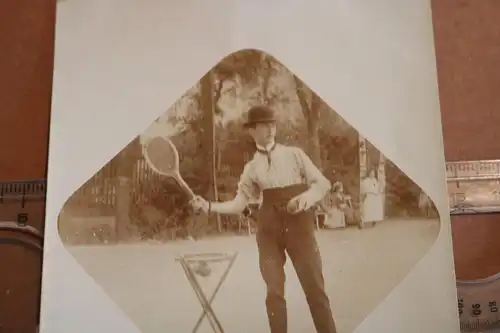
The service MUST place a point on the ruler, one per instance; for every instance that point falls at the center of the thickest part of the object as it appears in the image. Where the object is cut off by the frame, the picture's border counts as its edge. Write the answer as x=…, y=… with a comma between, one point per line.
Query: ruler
x=473, y=186
x=22, y=210
x=479, y=305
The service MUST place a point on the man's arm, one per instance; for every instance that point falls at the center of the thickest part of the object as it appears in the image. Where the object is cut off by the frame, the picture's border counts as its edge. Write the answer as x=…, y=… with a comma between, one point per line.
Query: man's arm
x=235, y=206
x=247, y=192
x=319, y=185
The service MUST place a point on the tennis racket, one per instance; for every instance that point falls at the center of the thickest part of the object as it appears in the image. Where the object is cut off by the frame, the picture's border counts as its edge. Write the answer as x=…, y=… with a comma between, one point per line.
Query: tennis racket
x=163, y=158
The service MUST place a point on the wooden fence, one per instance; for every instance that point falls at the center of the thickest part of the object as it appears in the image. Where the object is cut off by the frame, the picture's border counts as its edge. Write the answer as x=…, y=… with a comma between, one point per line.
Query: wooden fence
x=97, y=197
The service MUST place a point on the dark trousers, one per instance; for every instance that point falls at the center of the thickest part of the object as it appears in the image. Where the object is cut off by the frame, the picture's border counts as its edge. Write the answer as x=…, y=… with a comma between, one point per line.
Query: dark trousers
x=280, y=233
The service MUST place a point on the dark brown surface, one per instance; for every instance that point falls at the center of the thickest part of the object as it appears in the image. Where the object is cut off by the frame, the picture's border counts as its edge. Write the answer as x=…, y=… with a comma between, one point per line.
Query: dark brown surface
x=26, y=56
x=468, y=57
x=19, y=284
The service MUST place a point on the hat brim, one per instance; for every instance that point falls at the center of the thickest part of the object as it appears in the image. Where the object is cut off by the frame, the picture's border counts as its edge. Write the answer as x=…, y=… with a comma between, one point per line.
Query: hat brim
x=263, y=121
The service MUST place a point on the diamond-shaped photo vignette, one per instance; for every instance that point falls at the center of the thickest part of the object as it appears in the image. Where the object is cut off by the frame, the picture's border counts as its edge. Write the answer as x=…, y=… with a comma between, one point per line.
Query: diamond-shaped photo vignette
x=128, y=225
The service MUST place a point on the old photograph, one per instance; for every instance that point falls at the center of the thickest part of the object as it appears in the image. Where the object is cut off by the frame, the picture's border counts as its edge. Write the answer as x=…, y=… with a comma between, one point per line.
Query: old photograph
x=250, y=205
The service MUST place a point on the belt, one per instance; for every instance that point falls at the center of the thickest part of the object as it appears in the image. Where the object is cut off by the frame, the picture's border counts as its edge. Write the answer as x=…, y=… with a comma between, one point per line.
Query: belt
x=278, y=197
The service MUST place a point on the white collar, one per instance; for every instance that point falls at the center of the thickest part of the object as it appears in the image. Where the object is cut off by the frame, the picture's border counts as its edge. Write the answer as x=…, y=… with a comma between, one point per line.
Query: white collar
x=268, y=147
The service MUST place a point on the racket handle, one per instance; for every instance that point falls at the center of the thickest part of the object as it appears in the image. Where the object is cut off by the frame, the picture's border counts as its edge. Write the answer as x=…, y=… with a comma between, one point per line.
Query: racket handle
x=185, y=187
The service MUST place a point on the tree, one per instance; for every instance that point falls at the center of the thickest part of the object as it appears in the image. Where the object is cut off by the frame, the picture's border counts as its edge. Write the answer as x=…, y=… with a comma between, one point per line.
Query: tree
x=310, y=104
x=238, y=67
x=208, y=107
x=363, y=167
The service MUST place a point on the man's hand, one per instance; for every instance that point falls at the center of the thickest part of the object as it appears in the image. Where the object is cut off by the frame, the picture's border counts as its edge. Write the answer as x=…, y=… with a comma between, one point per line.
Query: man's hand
x=300, y=203
x=246, y=212
x=200, y=204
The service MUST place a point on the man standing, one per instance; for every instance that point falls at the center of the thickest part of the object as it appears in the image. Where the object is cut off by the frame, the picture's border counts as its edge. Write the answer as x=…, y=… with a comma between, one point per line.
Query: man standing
x=289, y=185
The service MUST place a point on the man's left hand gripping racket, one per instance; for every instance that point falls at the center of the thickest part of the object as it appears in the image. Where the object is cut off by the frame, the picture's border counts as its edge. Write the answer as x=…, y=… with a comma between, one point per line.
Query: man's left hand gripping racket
x=162, y=157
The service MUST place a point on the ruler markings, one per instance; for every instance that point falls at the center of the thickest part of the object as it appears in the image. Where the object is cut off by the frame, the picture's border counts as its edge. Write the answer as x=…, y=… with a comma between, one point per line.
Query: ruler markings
x=473, y=186
x=15, y=195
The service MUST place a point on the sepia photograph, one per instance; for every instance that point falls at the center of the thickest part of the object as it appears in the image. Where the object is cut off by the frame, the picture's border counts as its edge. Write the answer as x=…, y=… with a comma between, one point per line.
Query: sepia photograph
x=250, y=205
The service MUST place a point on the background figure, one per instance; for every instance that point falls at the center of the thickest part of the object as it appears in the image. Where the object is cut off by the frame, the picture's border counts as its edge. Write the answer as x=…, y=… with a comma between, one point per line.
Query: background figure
x=345, y=204
x=335, y=214
x=372, y=207
x=424, y=204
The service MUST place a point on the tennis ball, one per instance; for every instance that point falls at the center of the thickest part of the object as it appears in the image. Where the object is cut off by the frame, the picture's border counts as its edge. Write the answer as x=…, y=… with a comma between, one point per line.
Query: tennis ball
x=292, y=207
x=203, y=269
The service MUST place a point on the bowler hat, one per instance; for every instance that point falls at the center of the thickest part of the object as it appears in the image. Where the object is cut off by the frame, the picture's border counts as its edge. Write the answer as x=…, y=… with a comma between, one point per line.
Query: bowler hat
x=259, y=114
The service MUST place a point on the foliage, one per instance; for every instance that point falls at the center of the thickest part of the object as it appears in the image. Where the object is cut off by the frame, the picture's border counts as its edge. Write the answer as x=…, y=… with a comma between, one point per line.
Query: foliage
x=259, y=78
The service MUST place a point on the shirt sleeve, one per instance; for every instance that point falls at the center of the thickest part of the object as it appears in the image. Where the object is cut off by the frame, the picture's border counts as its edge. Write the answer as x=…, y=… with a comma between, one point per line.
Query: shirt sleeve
x=319, y=184
x=248, y=189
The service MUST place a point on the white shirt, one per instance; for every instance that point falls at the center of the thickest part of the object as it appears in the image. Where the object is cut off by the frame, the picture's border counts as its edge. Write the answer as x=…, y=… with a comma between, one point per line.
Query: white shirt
x=281, y=166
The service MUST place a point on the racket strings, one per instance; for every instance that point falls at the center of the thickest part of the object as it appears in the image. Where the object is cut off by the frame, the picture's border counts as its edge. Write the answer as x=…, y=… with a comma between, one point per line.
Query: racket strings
x=161, y=156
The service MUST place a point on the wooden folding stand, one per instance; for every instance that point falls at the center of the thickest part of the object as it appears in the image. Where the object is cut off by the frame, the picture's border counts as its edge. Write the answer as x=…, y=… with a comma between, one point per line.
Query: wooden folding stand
x=199, y=264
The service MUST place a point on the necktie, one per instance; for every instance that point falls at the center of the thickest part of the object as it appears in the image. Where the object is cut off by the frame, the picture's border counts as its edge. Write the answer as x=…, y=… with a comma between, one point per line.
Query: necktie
x=267, y=153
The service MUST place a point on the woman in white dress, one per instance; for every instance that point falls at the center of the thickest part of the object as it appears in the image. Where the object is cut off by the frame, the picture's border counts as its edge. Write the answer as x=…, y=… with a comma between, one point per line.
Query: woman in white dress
x=372, y=198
